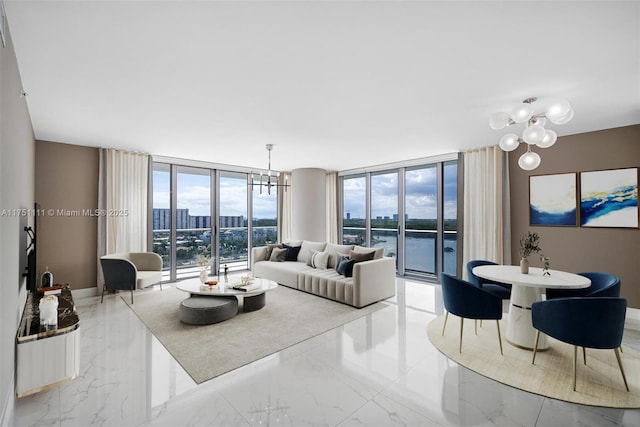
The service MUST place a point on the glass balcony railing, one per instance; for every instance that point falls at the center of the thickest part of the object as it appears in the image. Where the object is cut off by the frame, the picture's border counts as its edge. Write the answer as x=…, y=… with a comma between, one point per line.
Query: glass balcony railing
x=263, y=235
x=354, y=236
x=192, y=245
x=420, y=252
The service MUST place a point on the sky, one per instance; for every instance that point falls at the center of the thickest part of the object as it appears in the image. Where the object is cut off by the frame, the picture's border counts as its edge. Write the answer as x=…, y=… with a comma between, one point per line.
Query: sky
x=421, y=198
x=194, y=193
x=420, y=194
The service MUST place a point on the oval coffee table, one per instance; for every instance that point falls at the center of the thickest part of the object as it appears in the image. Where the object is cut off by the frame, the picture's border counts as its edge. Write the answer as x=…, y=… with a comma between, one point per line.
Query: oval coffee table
x=254, y=297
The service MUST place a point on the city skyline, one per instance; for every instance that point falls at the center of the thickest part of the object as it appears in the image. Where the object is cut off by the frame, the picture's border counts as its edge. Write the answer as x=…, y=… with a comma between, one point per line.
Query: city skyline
x=161, y=219
x=194, y=193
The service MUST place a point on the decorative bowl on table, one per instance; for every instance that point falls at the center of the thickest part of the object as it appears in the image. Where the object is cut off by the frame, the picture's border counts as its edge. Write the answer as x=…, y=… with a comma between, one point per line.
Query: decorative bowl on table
x=210, y=284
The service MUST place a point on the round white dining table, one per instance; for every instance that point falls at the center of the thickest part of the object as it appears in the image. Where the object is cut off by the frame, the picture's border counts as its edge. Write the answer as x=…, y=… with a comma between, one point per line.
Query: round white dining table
x=525, y=290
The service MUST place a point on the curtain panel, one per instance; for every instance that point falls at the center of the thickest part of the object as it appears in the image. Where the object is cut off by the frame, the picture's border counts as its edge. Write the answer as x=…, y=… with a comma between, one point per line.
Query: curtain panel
x=123, y=191
x=486, y=219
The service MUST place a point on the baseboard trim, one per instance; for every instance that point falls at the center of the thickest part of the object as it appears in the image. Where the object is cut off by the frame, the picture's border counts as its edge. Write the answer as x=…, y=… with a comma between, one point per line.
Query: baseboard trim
x=84, y=292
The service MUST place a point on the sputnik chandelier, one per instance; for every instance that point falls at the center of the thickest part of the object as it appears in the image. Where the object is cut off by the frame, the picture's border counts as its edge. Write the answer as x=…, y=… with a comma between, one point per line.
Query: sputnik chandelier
x=269, y=181
x=558, y=112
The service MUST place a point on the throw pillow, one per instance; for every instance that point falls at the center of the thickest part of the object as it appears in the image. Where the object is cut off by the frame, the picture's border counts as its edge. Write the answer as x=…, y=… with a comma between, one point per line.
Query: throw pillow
x=292, y=252
x=309, y=247
x=345, y=266
x=335, y=251
x=361, y=256
x=310, y=261
x=318, y=260
x=322, y=260
x=278, y=254
x=377, y=252
x=270, y=248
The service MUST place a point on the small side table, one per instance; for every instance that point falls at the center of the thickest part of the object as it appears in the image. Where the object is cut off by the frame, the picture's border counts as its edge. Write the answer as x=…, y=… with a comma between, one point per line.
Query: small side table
x=47, y=356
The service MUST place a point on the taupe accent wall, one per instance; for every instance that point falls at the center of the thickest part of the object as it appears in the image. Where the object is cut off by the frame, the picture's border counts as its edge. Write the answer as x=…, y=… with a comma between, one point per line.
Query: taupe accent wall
x=67, y=189
x=576, y=249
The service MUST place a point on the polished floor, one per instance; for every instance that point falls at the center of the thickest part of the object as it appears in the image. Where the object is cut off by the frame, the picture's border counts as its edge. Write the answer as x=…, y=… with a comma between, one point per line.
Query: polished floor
x=379, y=370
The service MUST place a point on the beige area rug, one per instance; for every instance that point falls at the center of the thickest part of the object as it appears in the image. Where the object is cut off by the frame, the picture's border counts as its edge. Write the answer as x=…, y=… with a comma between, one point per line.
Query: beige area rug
x=599, y=383
x=289, y=317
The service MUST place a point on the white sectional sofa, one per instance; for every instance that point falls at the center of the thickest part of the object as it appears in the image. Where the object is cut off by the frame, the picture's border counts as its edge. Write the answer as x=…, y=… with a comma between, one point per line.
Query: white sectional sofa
x=371, y=281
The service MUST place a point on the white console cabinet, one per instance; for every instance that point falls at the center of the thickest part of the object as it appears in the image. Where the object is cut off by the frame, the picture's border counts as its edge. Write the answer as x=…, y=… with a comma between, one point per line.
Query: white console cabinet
x=47, y=356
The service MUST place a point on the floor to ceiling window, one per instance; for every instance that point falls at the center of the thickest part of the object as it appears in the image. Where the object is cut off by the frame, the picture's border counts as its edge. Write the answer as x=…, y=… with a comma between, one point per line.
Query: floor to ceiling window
x=421, y=213
x=193, y=219
x=264, y=217
x=410, y=211
x=354, y=210
x=384, y=212
x=185, y=198
x=161, y=218
x=234, y=225
x=450, y=212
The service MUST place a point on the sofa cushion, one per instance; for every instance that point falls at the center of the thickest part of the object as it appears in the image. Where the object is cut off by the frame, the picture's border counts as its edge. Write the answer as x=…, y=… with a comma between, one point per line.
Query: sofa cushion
x=147, y=278
x=345, y=266
x=307, y=248
x=270, y=248
x=278, y=254
x=335, y=251
x=361, y=256
x=292, y=252
x=377, y=252
x=318, y=260
x=284, y=273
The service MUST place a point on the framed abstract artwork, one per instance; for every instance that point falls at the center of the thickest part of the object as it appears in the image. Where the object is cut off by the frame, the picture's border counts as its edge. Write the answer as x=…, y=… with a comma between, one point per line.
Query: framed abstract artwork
x=609, y=198
x=553, y=200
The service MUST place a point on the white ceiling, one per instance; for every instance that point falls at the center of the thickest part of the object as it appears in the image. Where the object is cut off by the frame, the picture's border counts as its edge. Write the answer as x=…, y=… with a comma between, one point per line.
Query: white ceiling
x=335, y=85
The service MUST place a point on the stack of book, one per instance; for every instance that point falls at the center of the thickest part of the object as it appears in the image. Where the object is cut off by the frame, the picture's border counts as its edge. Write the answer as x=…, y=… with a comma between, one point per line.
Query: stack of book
x=50, y=290
x=246, y=288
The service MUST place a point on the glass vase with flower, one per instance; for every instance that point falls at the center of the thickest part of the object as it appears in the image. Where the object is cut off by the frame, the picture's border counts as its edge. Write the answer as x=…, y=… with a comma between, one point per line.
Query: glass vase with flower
x=204, y=264
x=530, y=244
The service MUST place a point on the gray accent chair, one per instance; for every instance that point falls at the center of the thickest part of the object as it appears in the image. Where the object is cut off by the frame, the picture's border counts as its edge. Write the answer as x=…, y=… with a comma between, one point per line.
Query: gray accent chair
x=130, y=270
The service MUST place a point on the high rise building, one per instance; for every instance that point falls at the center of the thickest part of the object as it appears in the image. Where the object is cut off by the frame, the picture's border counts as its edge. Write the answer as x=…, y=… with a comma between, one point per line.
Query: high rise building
x=162, y=220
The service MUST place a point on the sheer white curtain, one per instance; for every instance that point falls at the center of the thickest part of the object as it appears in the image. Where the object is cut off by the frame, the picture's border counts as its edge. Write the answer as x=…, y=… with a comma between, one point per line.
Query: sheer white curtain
x=487, y=221
x=123, y=189
x=332, y=207
x=285, y=211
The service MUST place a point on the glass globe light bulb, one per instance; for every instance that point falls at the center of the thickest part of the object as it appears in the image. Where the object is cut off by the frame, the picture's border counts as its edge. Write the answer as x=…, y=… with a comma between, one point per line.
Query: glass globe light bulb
x=557, y=109
x=522, y=113
x=550, y=138
x=498, y=120
x=509, y=142
x=564, y=119
x=529, y=161
x=533, y=134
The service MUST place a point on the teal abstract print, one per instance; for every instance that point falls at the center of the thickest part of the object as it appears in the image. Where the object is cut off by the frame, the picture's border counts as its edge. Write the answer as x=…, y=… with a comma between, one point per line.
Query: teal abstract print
x=609, y=198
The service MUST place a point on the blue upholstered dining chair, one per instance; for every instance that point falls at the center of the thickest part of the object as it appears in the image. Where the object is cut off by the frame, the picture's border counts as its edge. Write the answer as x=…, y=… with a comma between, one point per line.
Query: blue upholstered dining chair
x=465, y=300
x=503, y=290
x=602, y=285
x=596, y=322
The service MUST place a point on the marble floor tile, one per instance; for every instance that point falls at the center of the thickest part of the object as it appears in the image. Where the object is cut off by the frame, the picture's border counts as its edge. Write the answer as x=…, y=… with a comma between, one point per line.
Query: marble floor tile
x=382, y=411
x=379, y=370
